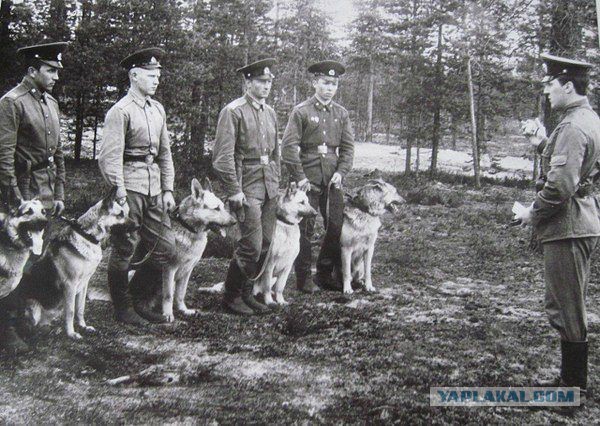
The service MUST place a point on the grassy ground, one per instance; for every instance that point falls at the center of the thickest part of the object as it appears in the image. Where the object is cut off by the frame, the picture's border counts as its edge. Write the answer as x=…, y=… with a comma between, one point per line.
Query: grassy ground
x=459, y=303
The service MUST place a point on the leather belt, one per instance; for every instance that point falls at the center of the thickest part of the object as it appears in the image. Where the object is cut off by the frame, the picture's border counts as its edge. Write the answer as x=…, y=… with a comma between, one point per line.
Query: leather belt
x=148, y=158
x=320, y=149
x=263, y=160
x=22, y=166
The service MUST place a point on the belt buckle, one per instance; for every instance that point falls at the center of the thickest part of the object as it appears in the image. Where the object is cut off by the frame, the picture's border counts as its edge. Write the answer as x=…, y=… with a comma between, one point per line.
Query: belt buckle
x=322, y=149
x=264, y=160
x=149, y=159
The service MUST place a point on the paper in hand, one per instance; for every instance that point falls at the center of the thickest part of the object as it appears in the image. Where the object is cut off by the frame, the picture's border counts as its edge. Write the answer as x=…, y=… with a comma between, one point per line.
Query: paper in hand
x=518, y=209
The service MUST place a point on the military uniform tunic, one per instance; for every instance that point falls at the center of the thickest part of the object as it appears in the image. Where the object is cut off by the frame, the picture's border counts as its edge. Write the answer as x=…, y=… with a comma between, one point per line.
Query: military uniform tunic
x=318, y=141
x=30, y=148
x=565, y=216
x=135, y=156
x=246, y=159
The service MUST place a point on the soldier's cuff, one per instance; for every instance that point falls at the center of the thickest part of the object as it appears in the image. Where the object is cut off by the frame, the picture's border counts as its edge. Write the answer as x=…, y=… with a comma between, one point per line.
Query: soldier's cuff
x=121, y=192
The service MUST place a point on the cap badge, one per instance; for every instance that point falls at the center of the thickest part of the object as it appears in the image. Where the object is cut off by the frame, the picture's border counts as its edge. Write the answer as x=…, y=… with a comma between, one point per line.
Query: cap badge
x=267, y=70
x=59, y=57
x=153, y=60
x=331, y=72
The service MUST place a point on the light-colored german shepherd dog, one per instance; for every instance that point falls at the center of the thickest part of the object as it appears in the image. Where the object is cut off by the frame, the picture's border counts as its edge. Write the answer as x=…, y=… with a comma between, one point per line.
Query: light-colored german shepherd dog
x=292, y=206
x=21, y=233
x=197, y=213
x=359, y=230
x=59, y=279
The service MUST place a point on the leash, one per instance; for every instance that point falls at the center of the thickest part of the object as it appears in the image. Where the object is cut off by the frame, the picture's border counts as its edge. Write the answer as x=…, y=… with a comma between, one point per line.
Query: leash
x=77, y=228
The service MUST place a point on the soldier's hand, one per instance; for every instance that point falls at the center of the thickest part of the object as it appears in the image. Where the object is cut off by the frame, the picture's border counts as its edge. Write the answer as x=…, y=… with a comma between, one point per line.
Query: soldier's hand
x=304, y=185
x=336, y=180
x=535, y=131
x=59, y=207
x=168, y=201
x=236, y=202
x=523, y=216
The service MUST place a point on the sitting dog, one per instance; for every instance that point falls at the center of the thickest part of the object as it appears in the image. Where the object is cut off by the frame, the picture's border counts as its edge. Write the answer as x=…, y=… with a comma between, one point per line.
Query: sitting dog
x=60, y=277
x=197, y=213
x=359, y=230
x=292, y=206
x=21, y=232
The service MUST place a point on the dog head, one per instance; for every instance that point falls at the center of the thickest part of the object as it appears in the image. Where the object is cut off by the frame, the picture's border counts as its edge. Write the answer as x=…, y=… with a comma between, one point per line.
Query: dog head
x=112, y=216
x=293, y=205
x=25, y=225
x=202, y=208
x=377, y=196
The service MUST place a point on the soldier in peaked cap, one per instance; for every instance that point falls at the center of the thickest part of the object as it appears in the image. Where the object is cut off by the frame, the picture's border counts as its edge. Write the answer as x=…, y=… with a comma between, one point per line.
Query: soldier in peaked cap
x=318, y=149
x=135, y=157
x=31, y=157
x=246, y=159
x=565, y=211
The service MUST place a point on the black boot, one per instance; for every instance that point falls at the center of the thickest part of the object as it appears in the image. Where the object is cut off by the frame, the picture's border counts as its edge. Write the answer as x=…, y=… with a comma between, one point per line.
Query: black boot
x=306, y=285
x=232, y=297
x=574, y=370
x=10, y=341
x=118, y=284
x=146, y=285
x=250, y=300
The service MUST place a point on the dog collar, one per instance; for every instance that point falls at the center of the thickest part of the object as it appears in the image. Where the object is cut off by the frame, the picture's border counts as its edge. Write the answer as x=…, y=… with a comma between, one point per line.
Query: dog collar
x=176, y=217
x=284, y=220
x=362, y=207
x=77, y=228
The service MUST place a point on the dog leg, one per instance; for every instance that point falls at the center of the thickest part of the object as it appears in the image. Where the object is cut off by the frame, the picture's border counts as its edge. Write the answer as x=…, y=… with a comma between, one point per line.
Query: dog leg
x=347, y=270
x=168, y=277
x=80, y=307
x=368, y=260
x=70, y=296
x=280, y=285
x=180, y=292
x=266, y=282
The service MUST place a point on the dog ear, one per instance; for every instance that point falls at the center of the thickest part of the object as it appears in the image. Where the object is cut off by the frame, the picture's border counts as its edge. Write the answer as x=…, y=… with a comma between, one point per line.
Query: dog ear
x=206, y=184
x=197, y=189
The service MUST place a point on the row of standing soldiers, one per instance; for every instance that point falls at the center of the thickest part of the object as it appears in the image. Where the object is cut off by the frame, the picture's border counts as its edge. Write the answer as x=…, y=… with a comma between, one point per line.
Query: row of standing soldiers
x=135, y=157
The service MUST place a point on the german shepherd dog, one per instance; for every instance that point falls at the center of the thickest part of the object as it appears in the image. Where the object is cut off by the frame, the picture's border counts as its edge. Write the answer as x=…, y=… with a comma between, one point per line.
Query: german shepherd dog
x=292, y=206
x=21, y=232
x=359, y=230
x=60, y=277
x=197, y=213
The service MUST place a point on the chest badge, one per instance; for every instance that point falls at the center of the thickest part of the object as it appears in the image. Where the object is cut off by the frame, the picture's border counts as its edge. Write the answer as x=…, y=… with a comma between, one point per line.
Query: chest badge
x=314, y=119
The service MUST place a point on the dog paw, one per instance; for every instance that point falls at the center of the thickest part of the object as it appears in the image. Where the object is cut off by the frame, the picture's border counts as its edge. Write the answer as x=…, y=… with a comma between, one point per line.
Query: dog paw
x=169, y=318
x=348, y=290
x=88, y=328
x=370, y=289
x=187, y=312
x=74, y=335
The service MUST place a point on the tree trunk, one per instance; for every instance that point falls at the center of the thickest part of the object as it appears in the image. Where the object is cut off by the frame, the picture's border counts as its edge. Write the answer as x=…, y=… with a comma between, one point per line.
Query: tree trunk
x=369, y=130
x=79, y=118
x=198, y=125
x=437, y=107
x=474, y=146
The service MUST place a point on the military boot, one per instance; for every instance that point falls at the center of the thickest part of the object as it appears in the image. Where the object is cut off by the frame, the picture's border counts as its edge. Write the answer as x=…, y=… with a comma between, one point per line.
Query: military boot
x=306, y=285
x=232, y=296
x=10, y=340
x=118, y=285
x=250, y=300
x=146, y=285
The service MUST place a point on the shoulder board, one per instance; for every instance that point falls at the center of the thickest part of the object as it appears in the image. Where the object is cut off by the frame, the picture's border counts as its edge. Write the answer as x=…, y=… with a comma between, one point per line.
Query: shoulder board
x=236, y=103
x=17, y=92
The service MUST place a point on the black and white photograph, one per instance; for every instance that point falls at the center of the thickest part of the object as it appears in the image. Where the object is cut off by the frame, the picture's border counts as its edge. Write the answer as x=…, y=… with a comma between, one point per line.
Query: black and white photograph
x=299, y=212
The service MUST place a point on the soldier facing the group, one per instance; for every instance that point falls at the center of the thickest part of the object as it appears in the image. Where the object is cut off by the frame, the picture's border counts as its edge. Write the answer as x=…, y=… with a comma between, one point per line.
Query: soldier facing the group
x=564, y=214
